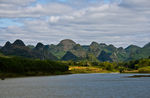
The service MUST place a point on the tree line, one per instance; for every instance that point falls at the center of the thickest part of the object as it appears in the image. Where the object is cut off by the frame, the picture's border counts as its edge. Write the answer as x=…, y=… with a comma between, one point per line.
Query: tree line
x=24, y=66
x=142, y=65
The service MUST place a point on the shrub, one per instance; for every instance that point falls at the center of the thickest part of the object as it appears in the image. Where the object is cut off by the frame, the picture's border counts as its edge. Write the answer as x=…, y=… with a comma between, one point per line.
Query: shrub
x=144, y=70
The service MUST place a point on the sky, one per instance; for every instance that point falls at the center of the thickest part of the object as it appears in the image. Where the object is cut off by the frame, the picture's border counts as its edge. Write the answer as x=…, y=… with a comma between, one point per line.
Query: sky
x=117, y=22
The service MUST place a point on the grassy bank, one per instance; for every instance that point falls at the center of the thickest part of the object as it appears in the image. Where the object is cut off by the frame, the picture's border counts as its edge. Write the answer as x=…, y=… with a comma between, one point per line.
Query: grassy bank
x=144, y=69
x=131, y=71
x=140, y=70
x=90, y=69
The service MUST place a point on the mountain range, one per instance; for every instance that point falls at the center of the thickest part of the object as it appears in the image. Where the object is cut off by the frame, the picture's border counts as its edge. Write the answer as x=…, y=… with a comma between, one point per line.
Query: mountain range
x=70, y=50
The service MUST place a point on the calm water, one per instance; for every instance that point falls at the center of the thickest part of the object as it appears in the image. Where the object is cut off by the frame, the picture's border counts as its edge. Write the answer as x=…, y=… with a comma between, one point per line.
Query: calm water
x=76, y=86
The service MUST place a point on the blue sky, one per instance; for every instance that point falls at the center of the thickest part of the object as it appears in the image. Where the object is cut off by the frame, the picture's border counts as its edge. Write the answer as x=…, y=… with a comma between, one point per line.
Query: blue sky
x=5, y=22
x=118, y=22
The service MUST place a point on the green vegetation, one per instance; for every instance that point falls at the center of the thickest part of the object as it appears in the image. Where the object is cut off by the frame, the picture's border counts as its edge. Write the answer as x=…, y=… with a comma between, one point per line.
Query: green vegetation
x=2, y=55
x=83, y=69
x=91, y=67
x=144, y=69
x=136, y=66
x=141, y=66
x=17, y=66
x=69, y=50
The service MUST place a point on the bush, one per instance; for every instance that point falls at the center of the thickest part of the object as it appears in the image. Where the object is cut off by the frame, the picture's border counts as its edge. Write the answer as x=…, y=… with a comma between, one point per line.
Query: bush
x=108, y=66
x=144, y=70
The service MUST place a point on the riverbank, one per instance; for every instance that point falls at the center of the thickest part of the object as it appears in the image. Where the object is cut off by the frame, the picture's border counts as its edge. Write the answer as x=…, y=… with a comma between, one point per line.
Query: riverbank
x=14, y=75
x=72, y=70
x=140, y=70
x=131, y=71
x=90, y=69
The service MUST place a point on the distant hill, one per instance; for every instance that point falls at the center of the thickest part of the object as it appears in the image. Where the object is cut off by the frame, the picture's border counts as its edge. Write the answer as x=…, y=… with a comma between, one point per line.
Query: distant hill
x=66, y=44
x=69, y=50
x=60, y=49
x=18, y=48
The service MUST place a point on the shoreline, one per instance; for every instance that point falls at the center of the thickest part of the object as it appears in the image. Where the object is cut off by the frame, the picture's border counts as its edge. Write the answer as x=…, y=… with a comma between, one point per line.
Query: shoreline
x=13, y=75
x=134, y=76
x=72, y=70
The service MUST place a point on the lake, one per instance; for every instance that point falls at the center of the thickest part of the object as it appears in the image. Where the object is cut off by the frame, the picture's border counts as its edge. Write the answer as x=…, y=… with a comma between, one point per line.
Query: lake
x=76, y=86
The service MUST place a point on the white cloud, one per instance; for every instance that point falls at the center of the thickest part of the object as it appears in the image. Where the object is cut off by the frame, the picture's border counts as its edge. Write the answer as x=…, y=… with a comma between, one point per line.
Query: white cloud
x=16, y=2
x=136, y=3
x=54, y=18
x=120, y=24
x=38, y=10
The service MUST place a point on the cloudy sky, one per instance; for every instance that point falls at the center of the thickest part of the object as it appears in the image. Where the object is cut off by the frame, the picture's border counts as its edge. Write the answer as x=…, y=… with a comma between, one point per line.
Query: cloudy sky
x=118, y=22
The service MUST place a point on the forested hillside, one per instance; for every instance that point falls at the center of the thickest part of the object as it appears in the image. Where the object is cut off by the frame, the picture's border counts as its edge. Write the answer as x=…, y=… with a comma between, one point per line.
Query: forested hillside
x=69, y=50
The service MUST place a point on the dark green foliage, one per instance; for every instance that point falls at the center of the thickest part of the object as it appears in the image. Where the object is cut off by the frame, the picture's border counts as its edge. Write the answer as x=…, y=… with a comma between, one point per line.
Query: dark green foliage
x=69, y=56
x=136, y=64
x=108, y=66
x=90, y=57
x=104, y=57
x=121, y=69
x=143, y=63
x=144, y=69
x=24, y=66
